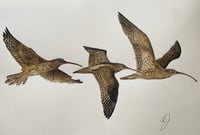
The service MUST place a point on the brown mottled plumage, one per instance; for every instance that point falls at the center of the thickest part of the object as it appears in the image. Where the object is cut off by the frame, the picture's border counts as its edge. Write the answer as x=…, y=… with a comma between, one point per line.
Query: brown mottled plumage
x=33, y=64
x=104, y=72
x=173, y=53
x=147, y=65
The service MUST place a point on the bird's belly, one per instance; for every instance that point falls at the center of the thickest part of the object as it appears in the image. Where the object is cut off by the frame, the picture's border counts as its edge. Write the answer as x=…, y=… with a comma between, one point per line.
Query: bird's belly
x=37, y=69
x=34, y=72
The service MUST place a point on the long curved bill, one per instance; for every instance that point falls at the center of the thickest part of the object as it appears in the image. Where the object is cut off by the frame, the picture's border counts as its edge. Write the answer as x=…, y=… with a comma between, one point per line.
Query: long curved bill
x=177, y=72
x=67, y=62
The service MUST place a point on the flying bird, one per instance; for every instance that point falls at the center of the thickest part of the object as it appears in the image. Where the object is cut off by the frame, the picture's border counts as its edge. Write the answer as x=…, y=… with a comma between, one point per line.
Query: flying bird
x=32, y=64
x=104, y=72
x=147, y=65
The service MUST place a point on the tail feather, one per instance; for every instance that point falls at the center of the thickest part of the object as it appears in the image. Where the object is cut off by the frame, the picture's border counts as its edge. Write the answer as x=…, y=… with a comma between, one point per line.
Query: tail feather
x=17, y=79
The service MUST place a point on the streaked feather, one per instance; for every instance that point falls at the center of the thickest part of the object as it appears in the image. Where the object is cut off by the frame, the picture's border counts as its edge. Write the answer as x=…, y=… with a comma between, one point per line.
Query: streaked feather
x=96, y=55
x=144, y=54
x=173, y=53
x=23, y=55
x=57, y=75
x=109, y=89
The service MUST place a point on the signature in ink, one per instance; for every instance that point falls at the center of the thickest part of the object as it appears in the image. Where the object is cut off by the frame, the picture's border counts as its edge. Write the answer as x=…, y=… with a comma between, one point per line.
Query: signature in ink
x=165, y=121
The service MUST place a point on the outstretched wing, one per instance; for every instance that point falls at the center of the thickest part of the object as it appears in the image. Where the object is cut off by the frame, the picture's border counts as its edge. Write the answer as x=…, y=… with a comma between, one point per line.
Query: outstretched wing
x=57, y=75
x=96, y=56
x=109, y=89
x=170, y=55
x=144, y=54
x=23, y=55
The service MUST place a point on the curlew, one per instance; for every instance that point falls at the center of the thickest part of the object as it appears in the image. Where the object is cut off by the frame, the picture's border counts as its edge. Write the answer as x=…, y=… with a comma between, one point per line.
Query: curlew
x=104, y=72
x=147, y=65
x=32, y=64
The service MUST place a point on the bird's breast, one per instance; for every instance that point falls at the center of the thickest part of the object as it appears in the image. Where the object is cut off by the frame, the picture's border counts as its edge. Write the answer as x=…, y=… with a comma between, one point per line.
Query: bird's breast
x=45, y=67
x=38, y=68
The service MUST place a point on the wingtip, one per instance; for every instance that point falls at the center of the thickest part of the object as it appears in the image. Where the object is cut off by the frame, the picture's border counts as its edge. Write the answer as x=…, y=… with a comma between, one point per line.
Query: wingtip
x=176, y=46
x=108, y=114
x=86, y=47
x=90, y=49
x=120, y=14
x=107, y=117
x=6, y=32
x=176, y=42
x=125, y=21
x=79, y=81
x=109, y=108
x=73, y=81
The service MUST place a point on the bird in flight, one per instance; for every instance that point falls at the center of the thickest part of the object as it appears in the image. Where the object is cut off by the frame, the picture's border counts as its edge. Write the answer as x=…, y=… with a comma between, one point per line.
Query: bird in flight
x=104, y=72
x=147, y=65
x=32, y=64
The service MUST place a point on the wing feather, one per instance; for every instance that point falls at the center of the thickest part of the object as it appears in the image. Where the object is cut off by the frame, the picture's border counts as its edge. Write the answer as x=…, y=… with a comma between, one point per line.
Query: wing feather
x=140, y=43
x=96, y=56
x=23, y=55
x=173, y=53
x=57, y=75
x=109, y=89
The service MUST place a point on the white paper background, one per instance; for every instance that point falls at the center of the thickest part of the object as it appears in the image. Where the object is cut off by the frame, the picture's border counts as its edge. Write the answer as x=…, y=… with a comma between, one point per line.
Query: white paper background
x=59, y=28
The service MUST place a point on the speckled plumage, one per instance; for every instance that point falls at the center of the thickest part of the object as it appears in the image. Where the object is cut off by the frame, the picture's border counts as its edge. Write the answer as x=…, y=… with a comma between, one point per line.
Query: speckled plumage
x=104, y=72
x=147, y=65
x=33, y=64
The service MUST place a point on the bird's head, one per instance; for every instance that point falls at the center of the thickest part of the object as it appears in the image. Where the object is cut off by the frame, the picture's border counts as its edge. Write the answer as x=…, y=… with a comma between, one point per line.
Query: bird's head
x=173, y=72
x=61, y=61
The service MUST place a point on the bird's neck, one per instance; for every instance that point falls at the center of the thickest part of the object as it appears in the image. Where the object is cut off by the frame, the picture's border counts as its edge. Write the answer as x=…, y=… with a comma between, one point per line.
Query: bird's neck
x=54, y=63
